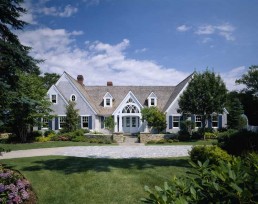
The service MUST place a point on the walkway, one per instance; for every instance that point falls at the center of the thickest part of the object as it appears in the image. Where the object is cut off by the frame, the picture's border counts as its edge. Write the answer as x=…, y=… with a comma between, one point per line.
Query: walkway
x=105, y=152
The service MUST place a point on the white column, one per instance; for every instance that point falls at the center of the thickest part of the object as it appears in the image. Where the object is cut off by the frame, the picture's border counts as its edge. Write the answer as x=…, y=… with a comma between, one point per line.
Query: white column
x=146, y=129
x=120, y=124
x=141, y=124
x=115, y=117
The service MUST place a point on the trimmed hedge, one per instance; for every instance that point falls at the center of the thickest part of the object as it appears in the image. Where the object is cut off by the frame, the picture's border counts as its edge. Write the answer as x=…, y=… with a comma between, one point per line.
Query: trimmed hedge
x=212, y=153
x=238, y=142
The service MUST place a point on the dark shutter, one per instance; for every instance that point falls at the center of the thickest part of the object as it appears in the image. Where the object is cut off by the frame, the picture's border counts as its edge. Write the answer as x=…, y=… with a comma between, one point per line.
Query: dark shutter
x=220, y=121
x=102, y=121
x=170, y=122
x=56, y=123
x=50, y=124
x=39, y=123
x=193, y=118
x=90, y=122
x=210, y=122
x=79, y=122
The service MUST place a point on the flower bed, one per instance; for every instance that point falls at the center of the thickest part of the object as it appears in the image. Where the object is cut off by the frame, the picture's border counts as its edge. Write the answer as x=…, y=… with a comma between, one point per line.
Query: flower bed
x=14, y=188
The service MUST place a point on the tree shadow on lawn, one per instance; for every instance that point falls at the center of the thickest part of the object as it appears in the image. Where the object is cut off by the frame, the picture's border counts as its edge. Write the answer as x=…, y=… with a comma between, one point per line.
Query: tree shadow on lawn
x=69, y=165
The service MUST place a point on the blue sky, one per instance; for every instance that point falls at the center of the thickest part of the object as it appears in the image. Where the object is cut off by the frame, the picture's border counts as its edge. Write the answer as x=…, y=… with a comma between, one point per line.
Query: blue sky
x=143, y=42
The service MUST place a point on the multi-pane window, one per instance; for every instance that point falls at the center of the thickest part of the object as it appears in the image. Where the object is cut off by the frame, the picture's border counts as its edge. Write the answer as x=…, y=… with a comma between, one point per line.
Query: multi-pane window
x=53, y=98
x=73, y=98
x=85, y=122
x=62, y=120
x=176, y=121
x=133, y=121
x=215, y=121
x=127, y=121
x=108, y=102
x=198, y=121
x=44, y=123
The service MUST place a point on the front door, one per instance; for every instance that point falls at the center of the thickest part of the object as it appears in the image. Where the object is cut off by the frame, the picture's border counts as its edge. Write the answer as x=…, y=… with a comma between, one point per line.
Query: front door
x=130, y=124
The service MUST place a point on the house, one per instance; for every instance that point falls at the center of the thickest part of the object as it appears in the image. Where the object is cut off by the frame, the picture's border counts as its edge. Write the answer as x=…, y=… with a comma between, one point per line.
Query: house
x=124, y=103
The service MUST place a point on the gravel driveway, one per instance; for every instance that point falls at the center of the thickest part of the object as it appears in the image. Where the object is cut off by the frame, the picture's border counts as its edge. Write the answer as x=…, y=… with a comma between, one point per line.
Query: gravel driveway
x=105, y=152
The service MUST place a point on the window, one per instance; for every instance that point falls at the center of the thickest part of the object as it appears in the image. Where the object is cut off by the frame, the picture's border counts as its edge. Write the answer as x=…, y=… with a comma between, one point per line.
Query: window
x=73, y=98
x=198, y=121
x=152, y=101
x=130, y=109
x=133, y=121
x=108, y=102
x=62, y=120
x=44, y=123
x=53, y=98
x=214, y=121
x=85, y=122
x=176, y=121
x=127, y=122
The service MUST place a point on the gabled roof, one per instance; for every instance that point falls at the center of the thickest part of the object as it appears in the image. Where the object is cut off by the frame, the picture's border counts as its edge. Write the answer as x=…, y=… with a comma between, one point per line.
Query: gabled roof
x=94, y=94
x=179, y=88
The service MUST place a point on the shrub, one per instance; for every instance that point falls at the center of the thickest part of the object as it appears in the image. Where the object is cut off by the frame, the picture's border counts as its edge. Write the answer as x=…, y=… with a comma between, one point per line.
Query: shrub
x=42, y=139
x=212, y=153
x=238, y=142
x=184, y=136
x=196, y=136
x=227, y=182
x=48, y=132
x=79, y=139
x=13, y=187
x=210, y=135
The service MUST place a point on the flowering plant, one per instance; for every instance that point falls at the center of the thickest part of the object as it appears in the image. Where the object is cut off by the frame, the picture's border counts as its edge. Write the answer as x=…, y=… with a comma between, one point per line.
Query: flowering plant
x=13, y=187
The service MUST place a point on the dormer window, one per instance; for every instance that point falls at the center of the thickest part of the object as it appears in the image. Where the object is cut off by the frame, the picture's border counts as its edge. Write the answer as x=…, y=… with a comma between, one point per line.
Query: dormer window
x=108, y=99
x=73, y=97
x=54, y=98
x=152, y=100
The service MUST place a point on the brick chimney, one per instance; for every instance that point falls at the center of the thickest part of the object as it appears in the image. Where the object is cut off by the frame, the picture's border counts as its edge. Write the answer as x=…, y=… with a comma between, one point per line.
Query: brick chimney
x=109, y=83
x=80, y=79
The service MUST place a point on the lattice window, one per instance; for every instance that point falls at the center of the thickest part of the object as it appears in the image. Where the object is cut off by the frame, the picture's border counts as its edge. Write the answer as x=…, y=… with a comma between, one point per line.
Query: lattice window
x=85, y=122
x=215, y=121
x=176, y=121
x=130, y=109
x=198, y=121
x=62, y=120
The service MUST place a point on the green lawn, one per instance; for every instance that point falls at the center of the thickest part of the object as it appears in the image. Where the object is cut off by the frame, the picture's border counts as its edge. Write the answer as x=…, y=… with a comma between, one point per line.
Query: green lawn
x=57, y=179
x=37, y=145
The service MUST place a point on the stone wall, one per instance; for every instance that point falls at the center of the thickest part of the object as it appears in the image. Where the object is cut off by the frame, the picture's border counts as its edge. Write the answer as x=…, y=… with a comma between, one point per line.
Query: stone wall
x=146, y=137
x=118, y=137
x=99, y=136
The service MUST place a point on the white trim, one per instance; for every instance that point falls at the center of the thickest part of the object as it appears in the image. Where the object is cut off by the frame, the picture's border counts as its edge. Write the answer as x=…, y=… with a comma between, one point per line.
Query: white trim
x=108, y=96
x=71, y=98
x=179, y=122
x=59, y=121
x=82, y=121
x=150, y=97
x=178, y=95
x=123, y=103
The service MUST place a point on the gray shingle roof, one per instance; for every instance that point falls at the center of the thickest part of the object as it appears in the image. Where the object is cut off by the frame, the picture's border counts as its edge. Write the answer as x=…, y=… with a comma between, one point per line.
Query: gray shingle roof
x=94, y=94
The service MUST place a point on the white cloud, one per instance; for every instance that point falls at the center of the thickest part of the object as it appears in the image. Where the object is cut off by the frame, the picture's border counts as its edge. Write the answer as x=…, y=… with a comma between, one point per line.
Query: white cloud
x=231, y=76
x=225, y=30
x=28, y=17
x=183, y=28
x=67, y=11
x=98, y=61
x=140, y=50
x=205, y=30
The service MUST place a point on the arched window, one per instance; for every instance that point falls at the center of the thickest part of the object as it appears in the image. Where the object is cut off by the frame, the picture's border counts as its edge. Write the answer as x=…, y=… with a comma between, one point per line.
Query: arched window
x=73, y=97
x=130, y=109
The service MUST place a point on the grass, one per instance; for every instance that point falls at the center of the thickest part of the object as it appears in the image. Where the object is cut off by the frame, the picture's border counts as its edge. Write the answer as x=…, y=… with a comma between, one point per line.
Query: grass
x=37, y=145
x=58, y=179
x=195, y=142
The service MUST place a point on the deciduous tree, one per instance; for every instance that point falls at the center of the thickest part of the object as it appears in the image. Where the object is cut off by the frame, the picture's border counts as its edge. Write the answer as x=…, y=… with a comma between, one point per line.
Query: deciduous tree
x=206, y=94
x=155, y=118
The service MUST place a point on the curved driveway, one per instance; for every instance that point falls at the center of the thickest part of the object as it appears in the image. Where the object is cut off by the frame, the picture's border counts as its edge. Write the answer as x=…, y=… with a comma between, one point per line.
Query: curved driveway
x=105, y=152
